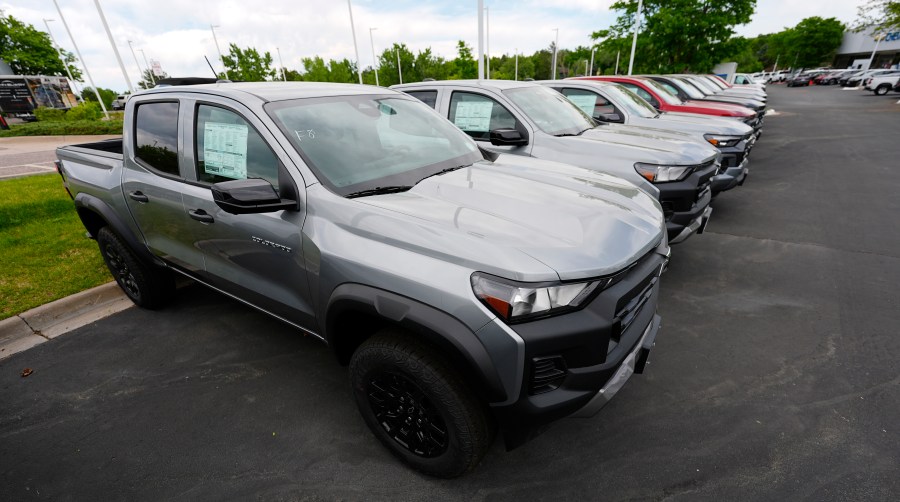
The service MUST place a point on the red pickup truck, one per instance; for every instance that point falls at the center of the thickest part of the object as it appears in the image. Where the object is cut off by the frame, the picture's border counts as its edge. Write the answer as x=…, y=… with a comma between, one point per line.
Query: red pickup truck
x=662, y=100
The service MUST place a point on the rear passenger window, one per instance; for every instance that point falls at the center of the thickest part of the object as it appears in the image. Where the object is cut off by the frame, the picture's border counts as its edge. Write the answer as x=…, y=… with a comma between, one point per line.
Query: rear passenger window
x=156, y=136
x=427, y=97
x=642, y=93
x=228, y=148
x=590, y=102
x=478, y=115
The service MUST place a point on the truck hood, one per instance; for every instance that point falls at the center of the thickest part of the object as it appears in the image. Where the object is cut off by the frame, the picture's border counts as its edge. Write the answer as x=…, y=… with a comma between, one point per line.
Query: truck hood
x=704, y=123
x=490, y=216
x=650, y=145
x=735, y=110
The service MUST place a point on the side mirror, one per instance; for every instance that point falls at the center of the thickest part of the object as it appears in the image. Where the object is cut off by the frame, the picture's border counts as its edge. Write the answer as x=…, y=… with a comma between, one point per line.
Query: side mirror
x=249, y=196
x=507, y=137
x=609, y=117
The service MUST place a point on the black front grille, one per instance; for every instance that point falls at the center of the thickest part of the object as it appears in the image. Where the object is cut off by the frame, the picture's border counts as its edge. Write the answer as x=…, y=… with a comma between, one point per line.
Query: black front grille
x=630, y=311
x=547, y=373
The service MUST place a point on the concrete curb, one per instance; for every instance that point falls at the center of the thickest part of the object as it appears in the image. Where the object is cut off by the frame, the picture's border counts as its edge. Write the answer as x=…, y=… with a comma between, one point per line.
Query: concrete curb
x=40, y=324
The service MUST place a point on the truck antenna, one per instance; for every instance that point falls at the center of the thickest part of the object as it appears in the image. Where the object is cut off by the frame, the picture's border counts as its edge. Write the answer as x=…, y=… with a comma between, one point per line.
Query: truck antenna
x=216, y=75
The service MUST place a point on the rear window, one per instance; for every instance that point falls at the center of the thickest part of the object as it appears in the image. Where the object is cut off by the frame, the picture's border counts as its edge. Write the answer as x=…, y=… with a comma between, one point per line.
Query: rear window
x=427, y=97
x=156, y=136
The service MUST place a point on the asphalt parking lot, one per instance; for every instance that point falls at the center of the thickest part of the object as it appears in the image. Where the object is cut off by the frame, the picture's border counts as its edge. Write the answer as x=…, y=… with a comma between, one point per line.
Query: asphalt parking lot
x=775, y=375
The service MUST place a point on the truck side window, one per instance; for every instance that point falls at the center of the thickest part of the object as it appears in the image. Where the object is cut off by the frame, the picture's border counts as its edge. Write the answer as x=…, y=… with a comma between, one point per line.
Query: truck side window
x=642, y=93
x=229, y=148
x=156, y=136
x=478, y=115
x=427, y=97
x=590, y=102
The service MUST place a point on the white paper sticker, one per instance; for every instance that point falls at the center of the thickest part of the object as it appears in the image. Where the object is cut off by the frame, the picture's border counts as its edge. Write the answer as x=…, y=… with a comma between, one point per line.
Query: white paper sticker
x=474, y=116
x=225, y=150
x=584, y=101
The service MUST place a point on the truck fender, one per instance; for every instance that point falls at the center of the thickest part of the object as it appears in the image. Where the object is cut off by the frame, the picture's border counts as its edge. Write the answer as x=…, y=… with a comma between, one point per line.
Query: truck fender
x=461, y=346
x=90, y=208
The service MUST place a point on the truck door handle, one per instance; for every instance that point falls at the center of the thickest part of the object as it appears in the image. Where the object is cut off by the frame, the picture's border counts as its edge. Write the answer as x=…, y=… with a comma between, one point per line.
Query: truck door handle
x=201, y=215
x=138, y=196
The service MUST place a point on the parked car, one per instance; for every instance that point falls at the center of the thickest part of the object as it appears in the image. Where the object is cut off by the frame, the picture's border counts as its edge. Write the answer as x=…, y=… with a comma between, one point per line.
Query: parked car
x=464, y=289
x=687, y=88
x=801, y=79
x=611, y=103
x=754, y=91
x=882, y=83
x=663, y=101
x=859, y=78
x=119, y=102
x=524, y=118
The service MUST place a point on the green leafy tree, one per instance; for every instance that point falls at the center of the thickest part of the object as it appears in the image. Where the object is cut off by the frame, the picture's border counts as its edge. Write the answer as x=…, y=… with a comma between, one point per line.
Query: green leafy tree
x=814, y=41
x=427, y=65
x=108, y=95
x=677, y=35
x=148, y=79
x=885, y=14
x=31, y=52
x=247, y=65
x=387, y=65
x=464, y=65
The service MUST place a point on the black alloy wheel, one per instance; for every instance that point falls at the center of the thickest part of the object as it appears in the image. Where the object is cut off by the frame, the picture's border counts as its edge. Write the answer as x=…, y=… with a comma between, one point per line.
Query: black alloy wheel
x=407, y=415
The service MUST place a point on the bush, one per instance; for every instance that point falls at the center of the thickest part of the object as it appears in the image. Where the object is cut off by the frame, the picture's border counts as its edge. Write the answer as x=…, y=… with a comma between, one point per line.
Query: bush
x=84, y=111
x=49, y=114
x=64, y=128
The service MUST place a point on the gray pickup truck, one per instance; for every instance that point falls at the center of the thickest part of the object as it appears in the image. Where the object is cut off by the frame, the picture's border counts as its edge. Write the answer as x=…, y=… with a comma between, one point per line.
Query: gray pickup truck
x=467, y=291
x=524, y=118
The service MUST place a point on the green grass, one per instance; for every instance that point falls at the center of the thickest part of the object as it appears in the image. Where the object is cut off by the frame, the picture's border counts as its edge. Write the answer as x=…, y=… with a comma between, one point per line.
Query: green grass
x=64, y=128
x=44, y=252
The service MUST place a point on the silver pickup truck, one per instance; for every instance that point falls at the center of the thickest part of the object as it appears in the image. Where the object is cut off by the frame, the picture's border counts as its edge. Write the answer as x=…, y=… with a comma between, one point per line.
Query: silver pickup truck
x=527, y=119
x=467, y=291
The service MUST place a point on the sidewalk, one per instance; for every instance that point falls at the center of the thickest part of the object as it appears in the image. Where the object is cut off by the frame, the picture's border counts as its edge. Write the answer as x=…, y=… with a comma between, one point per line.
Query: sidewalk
x=27, y=155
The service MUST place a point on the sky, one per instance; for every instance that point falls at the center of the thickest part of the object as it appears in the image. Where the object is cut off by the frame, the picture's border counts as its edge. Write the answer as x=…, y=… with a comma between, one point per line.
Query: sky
x=177, y=34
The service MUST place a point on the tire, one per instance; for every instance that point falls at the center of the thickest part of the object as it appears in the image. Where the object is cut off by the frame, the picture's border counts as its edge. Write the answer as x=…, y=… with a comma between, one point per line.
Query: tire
x=417, y=406
x=882, y=89
x=148, y=286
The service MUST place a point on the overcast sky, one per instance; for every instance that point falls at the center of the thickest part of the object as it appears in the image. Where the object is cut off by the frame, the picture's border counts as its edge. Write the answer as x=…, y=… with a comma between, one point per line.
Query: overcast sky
x=176, y=32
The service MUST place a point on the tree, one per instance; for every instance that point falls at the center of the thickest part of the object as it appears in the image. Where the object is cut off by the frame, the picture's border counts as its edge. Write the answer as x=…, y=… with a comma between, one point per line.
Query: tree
x=148, y=79
x=464, y=65
x=247, y=65
x=814, y=41
x=677, y=35
x=108, y=95
x=31, y=52
x=884, y=14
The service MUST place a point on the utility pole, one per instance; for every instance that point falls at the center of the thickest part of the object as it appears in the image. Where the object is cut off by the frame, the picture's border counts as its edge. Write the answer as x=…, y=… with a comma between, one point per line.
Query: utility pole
x=83, y=62
x=113, y=44
x=555, y=49
x=59, y=49
x=355, y=47
x=216, y=40
x=140, y=70
x=281, y=62
x=480, y=39
x=152, y=76
x=637, y=26
x=374, y=59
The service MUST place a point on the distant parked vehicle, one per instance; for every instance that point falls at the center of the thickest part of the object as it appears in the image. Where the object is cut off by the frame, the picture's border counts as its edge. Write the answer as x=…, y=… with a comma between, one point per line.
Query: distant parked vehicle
x=119, y=102
x=801, y=79
x=883, y=83
x=860, y=78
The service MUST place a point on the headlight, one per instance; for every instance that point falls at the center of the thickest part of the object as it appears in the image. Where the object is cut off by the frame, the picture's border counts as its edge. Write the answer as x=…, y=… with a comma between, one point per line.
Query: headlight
x=661, y=174
x=516, y=301
x=722, y=141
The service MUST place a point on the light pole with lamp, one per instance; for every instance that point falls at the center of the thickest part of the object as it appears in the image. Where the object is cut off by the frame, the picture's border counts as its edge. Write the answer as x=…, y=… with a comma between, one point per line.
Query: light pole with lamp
x=216, y=40
x=83, y=63
x=555, y=49
x=374, y=59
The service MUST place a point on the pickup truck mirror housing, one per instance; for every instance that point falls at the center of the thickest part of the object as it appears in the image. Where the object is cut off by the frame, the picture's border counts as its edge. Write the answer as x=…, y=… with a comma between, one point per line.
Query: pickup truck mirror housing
x=507, y=137
x=249, y=196
x=609, y=117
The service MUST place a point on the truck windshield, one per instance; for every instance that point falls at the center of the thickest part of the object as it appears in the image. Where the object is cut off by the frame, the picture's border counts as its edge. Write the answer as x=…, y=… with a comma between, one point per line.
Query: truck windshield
x=550, y=110
x=692, y=91
x=371, y=143
x=631, y=101
x=662, y=92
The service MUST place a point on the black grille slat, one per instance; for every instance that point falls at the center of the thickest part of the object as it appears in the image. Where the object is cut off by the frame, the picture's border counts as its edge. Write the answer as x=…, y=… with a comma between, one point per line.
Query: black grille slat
x=547, y=373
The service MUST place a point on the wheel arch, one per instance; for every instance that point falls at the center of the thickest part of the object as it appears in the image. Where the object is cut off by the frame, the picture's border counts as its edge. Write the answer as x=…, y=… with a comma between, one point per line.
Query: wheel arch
x=96, y=214
x=356, y=312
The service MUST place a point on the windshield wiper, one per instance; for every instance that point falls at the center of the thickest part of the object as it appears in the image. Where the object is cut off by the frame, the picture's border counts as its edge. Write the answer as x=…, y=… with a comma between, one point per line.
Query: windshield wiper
x=572, y=134
x=379, y=191
x=443, y=171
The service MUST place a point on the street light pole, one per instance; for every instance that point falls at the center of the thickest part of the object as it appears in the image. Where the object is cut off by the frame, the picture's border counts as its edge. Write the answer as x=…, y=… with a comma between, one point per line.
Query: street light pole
x=555, y=49
x=487, y=38
x=83, y=62
x=637, y=26
x=140, y=70
x=281, y=62
x=586, y=68
x=355, y=47
x=59, y=49
x=878, y=38
x=592, y=60
x=216, y=40
x=619, y=53
x=517, y=63
x=480, y=39
x=374, y=59
x=113, y=44
x=152, y=76
x=399, y=69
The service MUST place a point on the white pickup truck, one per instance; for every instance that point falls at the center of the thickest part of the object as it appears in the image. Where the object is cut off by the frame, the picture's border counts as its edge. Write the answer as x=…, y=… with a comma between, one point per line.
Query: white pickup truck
x=882, y=84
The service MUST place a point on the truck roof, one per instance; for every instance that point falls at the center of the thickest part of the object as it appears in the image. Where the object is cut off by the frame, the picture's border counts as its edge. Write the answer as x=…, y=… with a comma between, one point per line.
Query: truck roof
x=273, y=91
x=499, y=85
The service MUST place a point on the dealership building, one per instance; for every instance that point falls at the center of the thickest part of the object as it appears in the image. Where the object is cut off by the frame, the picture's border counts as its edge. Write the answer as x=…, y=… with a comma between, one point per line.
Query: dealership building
x=857, y=47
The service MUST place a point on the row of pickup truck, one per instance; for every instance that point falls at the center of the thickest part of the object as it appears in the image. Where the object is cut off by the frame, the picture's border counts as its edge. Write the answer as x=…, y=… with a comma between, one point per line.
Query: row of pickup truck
x=484, y=255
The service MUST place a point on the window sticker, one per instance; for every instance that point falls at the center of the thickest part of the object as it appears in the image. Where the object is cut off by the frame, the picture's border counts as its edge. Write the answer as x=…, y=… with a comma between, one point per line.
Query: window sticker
x=474, y=116
x=225, y=150
x=585, y=102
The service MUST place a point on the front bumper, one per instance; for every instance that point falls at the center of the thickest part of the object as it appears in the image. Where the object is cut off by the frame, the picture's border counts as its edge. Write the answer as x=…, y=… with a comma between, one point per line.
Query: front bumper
x=730, y=177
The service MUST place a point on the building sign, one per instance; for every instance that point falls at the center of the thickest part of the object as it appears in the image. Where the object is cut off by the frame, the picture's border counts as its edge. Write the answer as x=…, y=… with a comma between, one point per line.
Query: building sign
x=15, y=96
x=891, y=37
